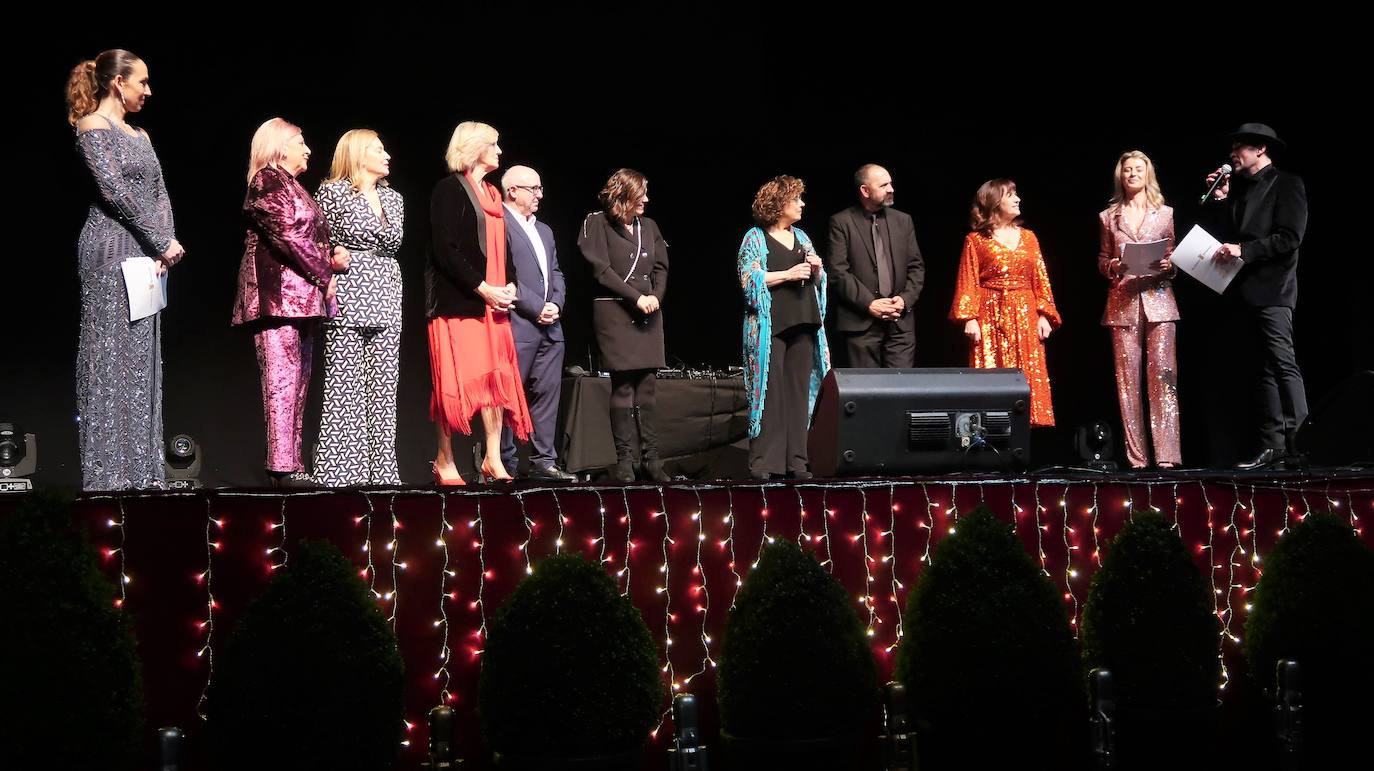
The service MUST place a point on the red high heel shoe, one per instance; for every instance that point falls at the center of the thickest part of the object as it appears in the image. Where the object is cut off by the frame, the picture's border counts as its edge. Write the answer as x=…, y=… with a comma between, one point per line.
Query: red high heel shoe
x=443, y=481
x=488, y=476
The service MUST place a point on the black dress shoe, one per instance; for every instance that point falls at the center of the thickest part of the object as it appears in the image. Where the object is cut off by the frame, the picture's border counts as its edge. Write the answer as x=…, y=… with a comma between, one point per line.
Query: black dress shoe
x=799, y=474
x=550, y=474
x=1267, y=457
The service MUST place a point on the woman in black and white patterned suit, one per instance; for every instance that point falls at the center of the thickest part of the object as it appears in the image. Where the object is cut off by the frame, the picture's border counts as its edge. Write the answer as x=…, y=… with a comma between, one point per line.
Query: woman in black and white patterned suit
x=362, y=343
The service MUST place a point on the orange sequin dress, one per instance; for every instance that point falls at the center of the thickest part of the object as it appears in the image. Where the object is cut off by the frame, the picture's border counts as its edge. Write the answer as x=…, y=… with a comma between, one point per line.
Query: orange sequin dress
x=1007, y=290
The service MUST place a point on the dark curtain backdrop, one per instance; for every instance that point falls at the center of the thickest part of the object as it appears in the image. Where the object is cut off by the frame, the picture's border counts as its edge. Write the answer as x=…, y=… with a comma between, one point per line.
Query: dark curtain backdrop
x=707, y=127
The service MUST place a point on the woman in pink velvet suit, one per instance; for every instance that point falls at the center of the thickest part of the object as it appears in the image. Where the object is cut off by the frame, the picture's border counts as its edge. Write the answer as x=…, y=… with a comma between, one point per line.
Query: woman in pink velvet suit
x=286, y=285
x=1141, y=313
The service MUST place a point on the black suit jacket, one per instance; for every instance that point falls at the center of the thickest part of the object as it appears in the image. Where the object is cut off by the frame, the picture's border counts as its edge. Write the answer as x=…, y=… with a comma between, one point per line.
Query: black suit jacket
x=529, y=299
x=456, y=260
x=853, y=272
x=1269, y=232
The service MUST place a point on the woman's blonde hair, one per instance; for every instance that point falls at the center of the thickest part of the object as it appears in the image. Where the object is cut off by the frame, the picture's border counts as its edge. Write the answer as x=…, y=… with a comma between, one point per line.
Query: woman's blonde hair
x=348, y=157
x=269, y=144
x=470, y=139
x=1153, y=196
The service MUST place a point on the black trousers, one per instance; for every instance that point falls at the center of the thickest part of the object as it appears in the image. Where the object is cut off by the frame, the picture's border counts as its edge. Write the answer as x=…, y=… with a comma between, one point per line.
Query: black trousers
x=1280, y=395
x=781, y=443
x=889, y=344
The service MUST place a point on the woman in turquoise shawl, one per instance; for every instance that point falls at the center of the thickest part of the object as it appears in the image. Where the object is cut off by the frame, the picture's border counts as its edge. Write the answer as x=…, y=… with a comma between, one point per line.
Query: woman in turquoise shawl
x=785, y=351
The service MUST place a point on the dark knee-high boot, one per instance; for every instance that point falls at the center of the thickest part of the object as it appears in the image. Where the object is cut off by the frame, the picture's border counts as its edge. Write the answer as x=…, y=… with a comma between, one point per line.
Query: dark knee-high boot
x=623, y=434
x=648, y=445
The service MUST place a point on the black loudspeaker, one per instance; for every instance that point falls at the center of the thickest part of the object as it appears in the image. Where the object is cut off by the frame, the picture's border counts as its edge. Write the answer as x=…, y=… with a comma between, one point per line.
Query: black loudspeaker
x=895, y=421
x=1339, y=431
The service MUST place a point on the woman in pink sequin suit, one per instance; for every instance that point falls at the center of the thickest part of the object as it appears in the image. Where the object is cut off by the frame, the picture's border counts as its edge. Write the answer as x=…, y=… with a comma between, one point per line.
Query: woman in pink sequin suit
x=286, y=285
x=1141, y=313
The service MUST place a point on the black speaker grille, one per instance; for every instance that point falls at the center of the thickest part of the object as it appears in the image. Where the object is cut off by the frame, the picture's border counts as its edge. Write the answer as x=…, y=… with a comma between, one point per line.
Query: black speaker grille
x=929, y=430
x=998, y=426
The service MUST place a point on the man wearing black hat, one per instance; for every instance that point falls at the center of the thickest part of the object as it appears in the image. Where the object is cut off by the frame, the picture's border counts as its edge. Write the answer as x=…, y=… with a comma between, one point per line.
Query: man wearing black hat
x=1265, y=218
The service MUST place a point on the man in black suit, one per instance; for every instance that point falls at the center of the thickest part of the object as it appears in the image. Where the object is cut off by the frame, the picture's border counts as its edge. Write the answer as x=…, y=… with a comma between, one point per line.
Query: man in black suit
x=534, y=321
x=875, y=273
x=1265, y=217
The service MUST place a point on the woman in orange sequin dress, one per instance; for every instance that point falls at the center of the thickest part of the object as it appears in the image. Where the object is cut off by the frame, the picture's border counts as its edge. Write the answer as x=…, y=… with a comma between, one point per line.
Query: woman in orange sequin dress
x=1003, y=294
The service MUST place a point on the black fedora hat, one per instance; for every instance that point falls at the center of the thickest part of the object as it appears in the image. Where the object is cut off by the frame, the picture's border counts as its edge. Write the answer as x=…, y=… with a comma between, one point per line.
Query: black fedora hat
x=1257, y=131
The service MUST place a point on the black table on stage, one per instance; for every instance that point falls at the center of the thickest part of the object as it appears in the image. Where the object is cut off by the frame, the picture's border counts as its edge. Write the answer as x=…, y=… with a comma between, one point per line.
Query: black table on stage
x=698, y=418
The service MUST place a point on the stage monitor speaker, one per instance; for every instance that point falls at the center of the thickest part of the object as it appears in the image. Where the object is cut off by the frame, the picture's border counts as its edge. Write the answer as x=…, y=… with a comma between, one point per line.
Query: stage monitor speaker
x=1339, y=431
x=902, y=421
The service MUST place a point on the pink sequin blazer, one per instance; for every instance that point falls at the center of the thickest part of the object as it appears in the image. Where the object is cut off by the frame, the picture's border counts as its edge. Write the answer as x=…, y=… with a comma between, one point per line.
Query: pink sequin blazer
x=1139, y=298
x=285, y=268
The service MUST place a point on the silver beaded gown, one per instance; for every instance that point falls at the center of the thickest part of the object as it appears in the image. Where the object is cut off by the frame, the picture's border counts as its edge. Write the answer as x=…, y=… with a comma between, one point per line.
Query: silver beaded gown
x=118, y=362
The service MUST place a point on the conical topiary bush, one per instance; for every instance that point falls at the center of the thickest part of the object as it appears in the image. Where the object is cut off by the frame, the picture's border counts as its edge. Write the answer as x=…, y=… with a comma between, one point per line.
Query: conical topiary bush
x=794, y=661
x=1149, y=621
x=311, y=677
x=568, y=670
x=988, y=652
x=70, y=690
x=1314, y=603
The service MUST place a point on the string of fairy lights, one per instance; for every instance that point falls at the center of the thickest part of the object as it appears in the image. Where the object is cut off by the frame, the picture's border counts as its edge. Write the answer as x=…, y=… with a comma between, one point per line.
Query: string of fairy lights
x=446, y=596
x=629, y=523
x=928, y=524
x=891, y=534
x=827, y=514
x=369, y=571
x=861, y=537
x=393, y=595
x=878, y=540
x=529, y=534
x=703, y=590
x=207, y=626
x=118, y=551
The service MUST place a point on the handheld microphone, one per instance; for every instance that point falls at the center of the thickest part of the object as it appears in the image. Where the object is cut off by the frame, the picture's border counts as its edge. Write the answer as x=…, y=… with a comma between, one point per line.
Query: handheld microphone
x=1225, y=172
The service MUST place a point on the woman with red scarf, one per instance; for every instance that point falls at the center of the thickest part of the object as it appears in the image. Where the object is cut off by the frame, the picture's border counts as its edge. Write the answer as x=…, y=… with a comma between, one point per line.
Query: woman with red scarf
x=469, y=291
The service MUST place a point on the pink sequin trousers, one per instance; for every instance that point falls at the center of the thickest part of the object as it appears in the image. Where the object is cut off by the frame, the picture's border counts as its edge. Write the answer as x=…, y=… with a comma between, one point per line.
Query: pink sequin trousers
x=285, y=351
x=1154, y=342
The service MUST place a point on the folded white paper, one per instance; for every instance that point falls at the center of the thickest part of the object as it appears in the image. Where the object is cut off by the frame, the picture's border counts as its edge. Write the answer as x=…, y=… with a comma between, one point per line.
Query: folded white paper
x=1139, y=258
x=1193, y=256
x=147, y=290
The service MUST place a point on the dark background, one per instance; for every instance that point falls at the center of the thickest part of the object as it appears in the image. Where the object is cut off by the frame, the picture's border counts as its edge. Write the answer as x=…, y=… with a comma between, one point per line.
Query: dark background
x=707, y=127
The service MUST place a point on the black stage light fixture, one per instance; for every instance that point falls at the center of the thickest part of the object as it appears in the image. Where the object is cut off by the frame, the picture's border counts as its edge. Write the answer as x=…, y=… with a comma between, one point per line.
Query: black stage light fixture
x=1102, y=717
x=171, y=743
x=183, y=463
x=442, y=751
x=1096, y=445
x=18, y=458
x=1288, y=717
x=899, y=734
x=687, y=752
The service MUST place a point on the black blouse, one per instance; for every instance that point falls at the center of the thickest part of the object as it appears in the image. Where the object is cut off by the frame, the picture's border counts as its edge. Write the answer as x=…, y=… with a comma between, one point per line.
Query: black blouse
x=794, y=302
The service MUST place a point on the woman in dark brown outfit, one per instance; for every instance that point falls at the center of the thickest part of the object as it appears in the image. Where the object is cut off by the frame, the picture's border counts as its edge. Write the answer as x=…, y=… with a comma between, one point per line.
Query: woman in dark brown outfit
x=629, y=260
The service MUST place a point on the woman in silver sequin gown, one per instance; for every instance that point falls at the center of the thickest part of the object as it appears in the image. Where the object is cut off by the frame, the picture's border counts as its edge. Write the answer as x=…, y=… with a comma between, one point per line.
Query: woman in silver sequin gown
x=118, y=362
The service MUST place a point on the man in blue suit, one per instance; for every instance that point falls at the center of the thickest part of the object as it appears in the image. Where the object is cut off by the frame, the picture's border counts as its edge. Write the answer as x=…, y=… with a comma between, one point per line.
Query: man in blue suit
x=534, y=321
